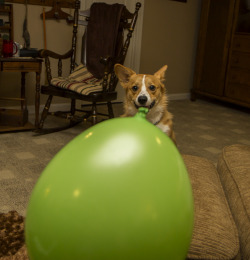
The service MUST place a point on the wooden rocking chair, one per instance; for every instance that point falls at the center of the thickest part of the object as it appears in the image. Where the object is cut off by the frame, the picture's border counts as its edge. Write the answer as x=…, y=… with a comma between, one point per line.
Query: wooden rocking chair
x=94, y=80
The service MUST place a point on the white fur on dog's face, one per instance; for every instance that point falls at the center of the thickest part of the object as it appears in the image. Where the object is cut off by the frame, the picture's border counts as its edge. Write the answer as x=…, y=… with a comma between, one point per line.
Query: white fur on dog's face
x=144, y=93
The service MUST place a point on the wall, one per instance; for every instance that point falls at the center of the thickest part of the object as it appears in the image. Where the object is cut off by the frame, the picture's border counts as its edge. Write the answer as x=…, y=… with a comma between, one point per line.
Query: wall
x=169, y=37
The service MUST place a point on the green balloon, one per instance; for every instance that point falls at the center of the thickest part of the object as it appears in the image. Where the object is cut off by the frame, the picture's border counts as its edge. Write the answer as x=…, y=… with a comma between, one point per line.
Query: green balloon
x=119, y=190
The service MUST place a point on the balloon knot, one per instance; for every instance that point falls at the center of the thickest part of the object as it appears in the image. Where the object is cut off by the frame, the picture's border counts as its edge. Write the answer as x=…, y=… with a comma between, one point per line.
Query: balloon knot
x=142, y=112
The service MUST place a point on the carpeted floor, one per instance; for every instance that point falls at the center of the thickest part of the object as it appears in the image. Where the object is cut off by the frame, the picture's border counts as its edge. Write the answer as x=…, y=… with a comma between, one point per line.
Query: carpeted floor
x=202, y=128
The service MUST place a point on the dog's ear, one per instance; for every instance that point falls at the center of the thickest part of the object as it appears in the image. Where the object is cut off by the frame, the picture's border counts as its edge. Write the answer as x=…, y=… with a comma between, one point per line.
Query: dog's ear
x=160, y=74
x=123, y=73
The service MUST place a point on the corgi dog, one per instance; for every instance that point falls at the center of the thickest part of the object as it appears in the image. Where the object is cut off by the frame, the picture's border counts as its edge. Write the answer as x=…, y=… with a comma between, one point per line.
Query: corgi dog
x=143, y=90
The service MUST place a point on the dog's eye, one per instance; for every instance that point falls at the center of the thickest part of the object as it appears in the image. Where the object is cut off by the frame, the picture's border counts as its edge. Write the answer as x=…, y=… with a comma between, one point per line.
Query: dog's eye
x=152, y=87
x=134, y=88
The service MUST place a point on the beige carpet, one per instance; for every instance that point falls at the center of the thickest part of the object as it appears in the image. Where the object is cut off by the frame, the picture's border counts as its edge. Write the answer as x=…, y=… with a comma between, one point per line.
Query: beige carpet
x=202, y=128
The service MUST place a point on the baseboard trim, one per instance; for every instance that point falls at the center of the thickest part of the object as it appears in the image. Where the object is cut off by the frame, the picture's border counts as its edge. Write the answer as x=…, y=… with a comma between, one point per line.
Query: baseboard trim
x=181, y=96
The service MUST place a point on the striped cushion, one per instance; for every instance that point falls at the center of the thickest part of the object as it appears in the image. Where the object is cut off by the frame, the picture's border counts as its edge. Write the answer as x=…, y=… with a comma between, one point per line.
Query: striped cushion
x=80, y=80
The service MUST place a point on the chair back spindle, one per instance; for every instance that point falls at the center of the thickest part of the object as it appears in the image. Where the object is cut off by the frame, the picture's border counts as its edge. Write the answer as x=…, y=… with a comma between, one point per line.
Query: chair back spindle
x=48, y=69
x=59, y=67
x=74, y=37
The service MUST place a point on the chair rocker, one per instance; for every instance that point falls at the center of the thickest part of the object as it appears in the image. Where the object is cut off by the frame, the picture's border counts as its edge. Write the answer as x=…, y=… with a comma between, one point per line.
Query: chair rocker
x=108, y=31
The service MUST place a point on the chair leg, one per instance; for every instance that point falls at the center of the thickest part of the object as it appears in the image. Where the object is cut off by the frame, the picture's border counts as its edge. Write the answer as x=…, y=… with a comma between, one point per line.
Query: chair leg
x=73, y=121
x=73, y=107
x=110, y=110
x=94, y=113
x=72, y=110
x=45, y=111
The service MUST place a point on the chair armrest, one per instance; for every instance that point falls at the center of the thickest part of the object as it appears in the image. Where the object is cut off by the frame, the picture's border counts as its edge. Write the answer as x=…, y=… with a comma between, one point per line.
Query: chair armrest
x=107, y=62
x=47, y=53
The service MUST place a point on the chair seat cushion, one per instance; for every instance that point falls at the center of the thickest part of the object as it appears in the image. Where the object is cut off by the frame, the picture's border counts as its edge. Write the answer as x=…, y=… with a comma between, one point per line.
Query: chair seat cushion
x=80, y=81
x=215, y=235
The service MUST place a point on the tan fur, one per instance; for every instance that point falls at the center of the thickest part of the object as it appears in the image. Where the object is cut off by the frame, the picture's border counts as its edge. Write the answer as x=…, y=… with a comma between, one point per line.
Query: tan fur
x=157, y=98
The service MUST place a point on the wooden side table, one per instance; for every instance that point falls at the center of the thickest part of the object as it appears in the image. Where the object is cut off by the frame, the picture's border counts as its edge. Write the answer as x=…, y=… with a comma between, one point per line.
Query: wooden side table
x=25, y=65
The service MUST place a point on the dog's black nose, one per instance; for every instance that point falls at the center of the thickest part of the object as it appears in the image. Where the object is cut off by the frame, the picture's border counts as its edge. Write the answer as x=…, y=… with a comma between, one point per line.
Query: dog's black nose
x=142, y=100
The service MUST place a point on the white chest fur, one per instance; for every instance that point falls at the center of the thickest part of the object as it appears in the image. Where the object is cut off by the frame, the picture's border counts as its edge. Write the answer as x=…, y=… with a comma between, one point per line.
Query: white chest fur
x=164, y=128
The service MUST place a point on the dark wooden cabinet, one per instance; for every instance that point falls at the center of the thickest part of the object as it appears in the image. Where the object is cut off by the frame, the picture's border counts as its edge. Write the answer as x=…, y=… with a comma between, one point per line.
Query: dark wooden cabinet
x=222, y=68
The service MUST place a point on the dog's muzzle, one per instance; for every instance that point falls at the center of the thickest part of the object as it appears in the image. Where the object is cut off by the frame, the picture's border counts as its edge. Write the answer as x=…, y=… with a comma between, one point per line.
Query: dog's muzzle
x=142, y=100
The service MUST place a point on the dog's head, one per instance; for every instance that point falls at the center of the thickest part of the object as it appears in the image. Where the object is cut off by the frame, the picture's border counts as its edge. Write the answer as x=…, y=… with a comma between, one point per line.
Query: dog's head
x=142, y=90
